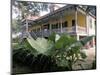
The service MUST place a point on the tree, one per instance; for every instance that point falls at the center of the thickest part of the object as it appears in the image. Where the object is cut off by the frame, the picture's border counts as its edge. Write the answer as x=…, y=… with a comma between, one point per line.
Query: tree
x=24, y=8
x=89, y=8
x=28, y=7
x=16, y=25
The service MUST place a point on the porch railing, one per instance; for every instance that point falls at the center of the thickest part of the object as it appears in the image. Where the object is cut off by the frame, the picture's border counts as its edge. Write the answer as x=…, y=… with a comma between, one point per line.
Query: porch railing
x=81, y=30
x=69, y=30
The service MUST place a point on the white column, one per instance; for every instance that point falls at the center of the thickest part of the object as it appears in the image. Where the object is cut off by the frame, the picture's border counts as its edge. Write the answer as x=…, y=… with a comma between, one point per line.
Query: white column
x=77, y=37
x=26, y=34
x=50, y=27
x=76, y=20
x=26, y=25
x=87, y=25
x=42, y=30
x=93, y=41
x=61, y=24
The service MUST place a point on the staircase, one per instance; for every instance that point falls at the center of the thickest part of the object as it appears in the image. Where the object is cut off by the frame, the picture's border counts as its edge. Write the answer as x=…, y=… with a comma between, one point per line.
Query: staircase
x=33, y=35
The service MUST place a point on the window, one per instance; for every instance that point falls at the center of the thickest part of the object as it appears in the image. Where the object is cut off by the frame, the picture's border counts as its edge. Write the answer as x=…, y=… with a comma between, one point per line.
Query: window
x=34, y=30
x=62, y=24
x=95, y=23
x=65, y=24
x=55, y=26
x=46, y=26
x=73, y=22
x=38, y=29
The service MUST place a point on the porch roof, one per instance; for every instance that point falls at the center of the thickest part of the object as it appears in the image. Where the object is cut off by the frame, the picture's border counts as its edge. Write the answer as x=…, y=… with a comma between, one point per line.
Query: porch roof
x=57, y=12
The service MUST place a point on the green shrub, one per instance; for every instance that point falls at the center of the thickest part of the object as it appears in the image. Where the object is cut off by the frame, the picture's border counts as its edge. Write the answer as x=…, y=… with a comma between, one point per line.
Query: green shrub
x=57, y=53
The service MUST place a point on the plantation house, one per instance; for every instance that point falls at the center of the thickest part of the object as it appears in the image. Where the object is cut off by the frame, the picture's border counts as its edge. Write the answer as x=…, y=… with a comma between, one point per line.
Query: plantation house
x=72, y=19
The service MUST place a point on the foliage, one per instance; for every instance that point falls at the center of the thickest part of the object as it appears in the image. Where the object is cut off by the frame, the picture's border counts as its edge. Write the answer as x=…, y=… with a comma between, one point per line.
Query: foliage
x=64, y=51
x=27, y=7
x=68, y=50
x=22, y=9
x=40, y=44
x=39, y=63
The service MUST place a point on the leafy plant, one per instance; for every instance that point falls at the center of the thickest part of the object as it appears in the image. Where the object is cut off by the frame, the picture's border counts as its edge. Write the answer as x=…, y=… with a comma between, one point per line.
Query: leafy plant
x=68, y=50
x=41, y=45
x=64, y=51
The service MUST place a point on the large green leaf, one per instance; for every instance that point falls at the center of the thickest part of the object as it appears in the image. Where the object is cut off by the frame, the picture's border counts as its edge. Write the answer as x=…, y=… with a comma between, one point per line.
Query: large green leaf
x=85, y=40
x=42, y=45
x=63, y=41
x=81, y=42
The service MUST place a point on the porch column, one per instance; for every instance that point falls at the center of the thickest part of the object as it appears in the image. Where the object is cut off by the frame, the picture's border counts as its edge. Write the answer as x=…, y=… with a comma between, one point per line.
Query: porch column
x=77, y=36
x=76, y=24
x=87, y=26
x=93, y=41
x=26, y=25
x=26, y=34
x=42, y=30
x=61, y=24
x=50, y=28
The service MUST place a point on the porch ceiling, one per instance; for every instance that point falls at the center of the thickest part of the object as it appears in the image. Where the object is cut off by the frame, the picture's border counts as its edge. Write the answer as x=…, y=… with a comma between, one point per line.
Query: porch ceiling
x=55, y=17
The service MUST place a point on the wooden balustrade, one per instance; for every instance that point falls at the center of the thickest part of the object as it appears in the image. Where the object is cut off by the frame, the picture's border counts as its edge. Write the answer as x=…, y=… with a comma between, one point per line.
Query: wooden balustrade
x=47, y=32
x=81, y=30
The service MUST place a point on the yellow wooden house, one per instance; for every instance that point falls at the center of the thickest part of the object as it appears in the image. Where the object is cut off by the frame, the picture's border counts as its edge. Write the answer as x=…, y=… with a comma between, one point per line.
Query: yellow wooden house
x=72, y=19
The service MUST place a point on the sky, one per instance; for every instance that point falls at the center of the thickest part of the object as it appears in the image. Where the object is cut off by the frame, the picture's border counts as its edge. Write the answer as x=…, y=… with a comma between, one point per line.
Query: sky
x=45, y=12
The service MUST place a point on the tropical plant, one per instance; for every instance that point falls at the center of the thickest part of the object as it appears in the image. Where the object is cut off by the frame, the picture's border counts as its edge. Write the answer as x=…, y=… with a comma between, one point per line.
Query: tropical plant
x=41, y=45
x=67, y=50
x=64, y=51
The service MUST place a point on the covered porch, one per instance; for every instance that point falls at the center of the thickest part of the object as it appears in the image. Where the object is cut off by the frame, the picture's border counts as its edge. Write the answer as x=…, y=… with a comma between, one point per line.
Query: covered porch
x=71, y=21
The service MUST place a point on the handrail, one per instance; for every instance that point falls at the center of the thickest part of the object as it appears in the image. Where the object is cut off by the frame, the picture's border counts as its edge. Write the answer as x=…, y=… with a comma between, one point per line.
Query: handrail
x=69, y=30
